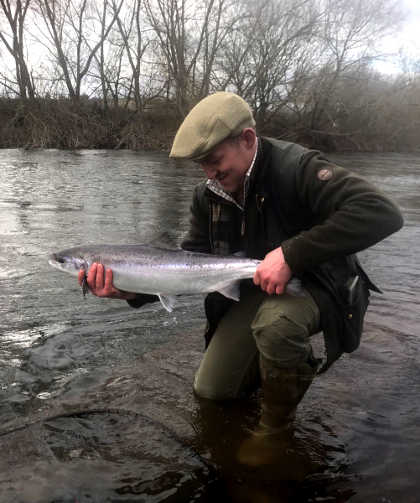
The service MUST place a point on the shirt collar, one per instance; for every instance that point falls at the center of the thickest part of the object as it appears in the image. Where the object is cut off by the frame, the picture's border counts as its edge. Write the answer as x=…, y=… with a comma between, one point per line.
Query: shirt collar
x=214, y=185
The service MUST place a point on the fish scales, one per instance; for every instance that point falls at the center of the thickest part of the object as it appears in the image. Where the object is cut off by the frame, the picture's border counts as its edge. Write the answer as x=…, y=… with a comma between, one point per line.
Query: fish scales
x=160, y=271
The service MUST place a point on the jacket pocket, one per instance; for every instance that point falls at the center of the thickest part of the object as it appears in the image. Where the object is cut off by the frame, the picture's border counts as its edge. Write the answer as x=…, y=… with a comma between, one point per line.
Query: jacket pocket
x=343, y=289
x=354, y=300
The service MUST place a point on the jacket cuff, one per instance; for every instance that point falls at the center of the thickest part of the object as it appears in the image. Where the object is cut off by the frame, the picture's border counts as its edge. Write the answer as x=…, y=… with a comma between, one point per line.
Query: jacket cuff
x=292, y=256
x=141, y=299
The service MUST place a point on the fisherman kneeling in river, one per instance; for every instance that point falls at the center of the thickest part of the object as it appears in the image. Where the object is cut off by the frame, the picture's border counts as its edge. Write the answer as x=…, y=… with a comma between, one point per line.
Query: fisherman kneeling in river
x=305, y=218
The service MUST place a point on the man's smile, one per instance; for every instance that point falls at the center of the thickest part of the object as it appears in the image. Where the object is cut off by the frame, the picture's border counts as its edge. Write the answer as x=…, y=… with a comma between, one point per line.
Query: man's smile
x=221, y=176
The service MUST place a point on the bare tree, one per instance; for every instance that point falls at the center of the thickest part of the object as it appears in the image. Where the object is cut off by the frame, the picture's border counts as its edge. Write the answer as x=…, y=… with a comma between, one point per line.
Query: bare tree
x=189, y=34
x=346, y=40
x=15, y=45
x=71, y=29
x=135, y=45
x=109, y=62
x=218, y=24
x=260, y=57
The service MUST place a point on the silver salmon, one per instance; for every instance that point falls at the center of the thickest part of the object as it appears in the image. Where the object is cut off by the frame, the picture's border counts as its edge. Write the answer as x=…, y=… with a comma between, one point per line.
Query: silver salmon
x=160, y=271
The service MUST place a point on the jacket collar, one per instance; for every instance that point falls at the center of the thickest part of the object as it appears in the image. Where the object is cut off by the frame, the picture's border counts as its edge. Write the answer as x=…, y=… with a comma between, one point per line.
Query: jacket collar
x=215, y=187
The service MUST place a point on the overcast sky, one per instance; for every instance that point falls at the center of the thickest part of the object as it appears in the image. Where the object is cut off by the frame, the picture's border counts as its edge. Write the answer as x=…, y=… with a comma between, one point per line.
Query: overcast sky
x=411, y=27
x=408, y=39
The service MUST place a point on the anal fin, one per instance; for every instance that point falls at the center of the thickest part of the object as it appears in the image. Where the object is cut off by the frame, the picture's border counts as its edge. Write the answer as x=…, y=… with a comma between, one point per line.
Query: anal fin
x=231, y=291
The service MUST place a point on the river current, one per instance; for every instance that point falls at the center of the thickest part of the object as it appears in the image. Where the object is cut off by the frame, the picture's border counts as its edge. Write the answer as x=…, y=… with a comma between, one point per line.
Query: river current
x=96, y=397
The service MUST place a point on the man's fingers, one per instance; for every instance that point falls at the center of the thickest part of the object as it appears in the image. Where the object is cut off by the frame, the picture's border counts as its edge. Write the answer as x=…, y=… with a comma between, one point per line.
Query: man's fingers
x=256, y=278
x=267, y=285
x=108, y=280
x=91, y=277
x=269, y=289
x=100, y=282
x=100, y=272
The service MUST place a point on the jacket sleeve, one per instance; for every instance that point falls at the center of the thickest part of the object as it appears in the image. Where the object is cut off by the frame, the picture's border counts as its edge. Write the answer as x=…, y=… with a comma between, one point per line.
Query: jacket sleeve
x=197, y=238
x=141, y=299
x=351, y=214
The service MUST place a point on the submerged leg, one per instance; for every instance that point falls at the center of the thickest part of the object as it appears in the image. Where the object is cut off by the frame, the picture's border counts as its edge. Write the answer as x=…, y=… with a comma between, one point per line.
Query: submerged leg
x=229, y=367
x=282, y=328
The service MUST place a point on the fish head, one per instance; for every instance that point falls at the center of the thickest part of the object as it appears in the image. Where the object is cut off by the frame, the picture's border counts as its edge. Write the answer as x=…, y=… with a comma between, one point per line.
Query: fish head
x=69, y=261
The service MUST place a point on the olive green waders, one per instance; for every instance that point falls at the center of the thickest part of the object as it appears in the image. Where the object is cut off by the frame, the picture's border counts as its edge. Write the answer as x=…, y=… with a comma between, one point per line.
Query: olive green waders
x=271, y=332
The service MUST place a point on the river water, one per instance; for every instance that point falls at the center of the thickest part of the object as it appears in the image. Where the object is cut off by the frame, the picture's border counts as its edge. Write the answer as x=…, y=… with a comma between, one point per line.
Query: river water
x=96, y=398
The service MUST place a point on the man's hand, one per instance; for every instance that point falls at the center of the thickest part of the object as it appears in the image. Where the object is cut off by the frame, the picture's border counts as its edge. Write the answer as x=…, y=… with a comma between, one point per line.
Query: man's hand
x=100, y=284
x=273, y=273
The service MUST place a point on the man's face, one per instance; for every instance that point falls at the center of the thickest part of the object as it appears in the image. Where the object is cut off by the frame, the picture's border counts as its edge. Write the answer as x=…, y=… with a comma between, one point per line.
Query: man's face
x=229, y=162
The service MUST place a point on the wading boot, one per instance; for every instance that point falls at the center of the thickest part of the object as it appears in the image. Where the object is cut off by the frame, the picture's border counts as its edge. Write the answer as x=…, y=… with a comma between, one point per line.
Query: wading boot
x=283, y=388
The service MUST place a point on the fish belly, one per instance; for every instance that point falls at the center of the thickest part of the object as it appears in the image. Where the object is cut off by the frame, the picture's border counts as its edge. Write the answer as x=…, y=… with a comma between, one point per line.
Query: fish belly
x=171, y=281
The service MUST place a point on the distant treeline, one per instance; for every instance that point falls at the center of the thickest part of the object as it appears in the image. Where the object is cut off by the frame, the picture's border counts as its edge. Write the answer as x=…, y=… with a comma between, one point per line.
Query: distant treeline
x=124, y=73
x=369, y=112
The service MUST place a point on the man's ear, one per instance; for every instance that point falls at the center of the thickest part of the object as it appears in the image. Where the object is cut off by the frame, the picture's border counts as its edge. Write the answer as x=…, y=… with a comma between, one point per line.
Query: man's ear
x=249, y=135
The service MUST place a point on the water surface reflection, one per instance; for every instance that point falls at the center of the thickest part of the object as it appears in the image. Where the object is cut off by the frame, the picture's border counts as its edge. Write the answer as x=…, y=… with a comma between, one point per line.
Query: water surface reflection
x=96, y=397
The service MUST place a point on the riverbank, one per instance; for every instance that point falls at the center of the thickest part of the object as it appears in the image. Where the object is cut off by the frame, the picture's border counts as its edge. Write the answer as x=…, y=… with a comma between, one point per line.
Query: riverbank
x=65, y=124
x=87, y=124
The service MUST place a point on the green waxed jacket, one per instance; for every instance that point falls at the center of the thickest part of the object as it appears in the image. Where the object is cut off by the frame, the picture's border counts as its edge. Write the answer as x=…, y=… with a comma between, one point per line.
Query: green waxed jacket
x=319, y=213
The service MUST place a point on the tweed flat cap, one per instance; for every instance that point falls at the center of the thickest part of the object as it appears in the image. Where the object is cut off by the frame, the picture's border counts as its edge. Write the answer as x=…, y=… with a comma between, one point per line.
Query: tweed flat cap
x=211, y=121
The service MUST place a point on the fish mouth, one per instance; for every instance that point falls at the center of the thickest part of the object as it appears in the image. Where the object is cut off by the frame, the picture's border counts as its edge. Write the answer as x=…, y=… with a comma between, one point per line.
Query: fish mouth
x=54, y=258
x=52, y=261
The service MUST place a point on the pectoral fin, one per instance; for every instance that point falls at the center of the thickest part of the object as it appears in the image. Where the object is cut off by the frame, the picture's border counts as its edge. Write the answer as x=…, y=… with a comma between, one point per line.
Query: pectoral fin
x=167, y=302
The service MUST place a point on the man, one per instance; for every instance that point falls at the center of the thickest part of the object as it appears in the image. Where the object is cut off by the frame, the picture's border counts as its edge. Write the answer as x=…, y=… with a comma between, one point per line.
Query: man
x=305, y=218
